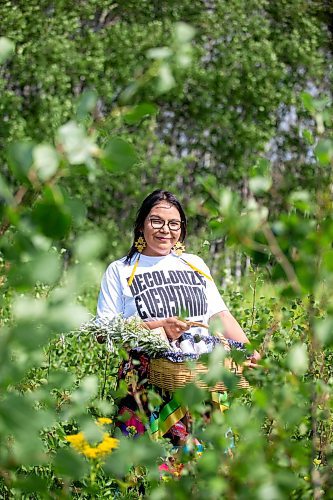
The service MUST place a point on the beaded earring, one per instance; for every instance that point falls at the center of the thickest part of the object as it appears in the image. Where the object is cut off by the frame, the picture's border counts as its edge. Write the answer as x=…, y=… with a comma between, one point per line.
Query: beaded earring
x=178, y=248
x=140, y=244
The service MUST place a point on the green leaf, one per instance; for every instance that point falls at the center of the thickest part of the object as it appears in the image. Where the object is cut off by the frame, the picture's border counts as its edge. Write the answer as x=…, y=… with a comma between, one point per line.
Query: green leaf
x=298, y=359
x=66, y=316
x=77, y=210
x=46, y=268
x=29, y=308
x=166, y=80
x=5, y=192
x=301, y=200
x=190, y=395
x=159, y=53
x=42, y=267
x=137, y=113
x=60, y=378
x=87, y=390
x=323, y=329
x=183, y=33
x=20, y=159
x=53, y=220
x=86, y=104
x=46, y=161
x=262, y=168
x=308, y=136
x=77, y=146
x=7, y=48
x=68, y=463
x=141, y=451
x=328, y=260
x=259, y=184
x=119, y=155
x=90, y=245
x=308, y=103
x=324, y=151
x=31, y=483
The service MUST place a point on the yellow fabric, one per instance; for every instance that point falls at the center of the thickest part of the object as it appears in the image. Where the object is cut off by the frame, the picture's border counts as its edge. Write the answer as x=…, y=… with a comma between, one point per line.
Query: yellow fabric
x=216, y=399
x=130, y=279
x=169, y=422
x=198, y=270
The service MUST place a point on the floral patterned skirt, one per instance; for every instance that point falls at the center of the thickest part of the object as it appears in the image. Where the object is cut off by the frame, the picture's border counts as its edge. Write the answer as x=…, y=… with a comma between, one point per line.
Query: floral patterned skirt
x=162, y=415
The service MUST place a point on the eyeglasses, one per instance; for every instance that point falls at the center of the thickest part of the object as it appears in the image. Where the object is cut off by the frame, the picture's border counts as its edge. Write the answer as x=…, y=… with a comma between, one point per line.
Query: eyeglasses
x=173, y=225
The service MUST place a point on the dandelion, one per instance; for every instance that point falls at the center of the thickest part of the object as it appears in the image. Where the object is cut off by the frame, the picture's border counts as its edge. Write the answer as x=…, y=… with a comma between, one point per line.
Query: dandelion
x=81, y=445
x=104, y=421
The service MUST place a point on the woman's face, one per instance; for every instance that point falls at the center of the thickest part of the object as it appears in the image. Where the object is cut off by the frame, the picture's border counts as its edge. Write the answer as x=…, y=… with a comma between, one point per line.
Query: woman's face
x=160, y=241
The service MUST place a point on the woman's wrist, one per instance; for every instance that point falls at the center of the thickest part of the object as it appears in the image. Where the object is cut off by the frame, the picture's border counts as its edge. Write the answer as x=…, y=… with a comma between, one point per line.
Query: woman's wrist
x=153, y=324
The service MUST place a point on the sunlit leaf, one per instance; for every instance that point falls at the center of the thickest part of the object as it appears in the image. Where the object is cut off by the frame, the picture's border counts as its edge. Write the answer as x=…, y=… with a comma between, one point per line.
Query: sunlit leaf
x=183, y=32
x=41, y=267
x=159, y=53
x=307, y=100
x=29, y=308
x=77, y=146
x=90, y=245
x=301, y=200
x=7, y=48
x=86, y=391
x=166, y=79
x=298, y=359
x=308, y=136
x=259, y=184
x=46, y=161
x=324, y=330
x=67, y=316
x=324, y=151
x=139, y=112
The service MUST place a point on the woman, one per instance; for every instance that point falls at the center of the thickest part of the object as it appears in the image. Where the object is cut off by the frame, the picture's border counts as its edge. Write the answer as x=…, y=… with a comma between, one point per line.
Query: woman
x=166, y=290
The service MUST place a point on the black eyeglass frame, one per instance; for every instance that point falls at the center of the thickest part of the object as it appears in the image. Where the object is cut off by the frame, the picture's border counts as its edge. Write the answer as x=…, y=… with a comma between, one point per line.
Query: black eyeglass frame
x=161, y=223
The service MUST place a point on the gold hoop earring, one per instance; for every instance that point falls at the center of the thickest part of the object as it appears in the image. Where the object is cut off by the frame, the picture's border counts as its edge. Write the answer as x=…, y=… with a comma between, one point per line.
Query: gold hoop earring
x=178, y=248
x=140, y=244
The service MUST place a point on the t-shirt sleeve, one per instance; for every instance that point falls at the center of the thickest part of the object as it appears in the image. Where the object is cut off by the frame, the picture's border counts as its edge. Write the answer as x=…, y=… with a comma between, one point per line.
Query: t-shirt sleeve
x=215, y=302
x=110, y=299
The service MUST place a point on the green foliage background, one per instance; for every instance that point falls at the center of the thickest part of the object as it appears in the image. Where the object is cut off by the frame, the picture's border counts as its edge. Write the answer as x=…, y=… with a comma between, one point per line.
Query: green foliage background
x=228, y=104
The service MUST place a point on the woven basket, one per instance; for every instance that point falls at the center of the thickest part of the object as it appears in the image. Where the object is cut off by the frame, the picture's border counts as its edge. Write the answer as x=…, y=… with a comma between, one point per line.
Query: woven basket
x=171, y=376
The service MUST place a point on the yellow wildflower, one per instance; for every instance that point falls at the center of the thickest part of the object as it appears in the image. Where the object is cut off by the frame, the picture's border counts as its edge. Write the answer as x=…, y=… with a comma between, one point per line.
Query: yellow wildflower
x=81, y=445
x=104, y=421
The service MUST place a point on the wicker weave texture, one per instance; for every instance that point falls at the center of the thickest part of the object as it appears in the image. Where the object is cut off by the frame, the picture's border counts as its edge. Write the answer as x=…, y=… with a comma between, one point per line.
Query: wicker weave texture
x=171, y=376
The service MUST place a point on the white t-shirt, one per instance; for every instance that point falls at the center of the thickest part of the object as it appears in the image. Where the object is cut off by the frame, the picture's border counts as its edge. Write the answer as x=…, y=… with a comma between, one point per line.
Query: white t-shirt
x=162, y=287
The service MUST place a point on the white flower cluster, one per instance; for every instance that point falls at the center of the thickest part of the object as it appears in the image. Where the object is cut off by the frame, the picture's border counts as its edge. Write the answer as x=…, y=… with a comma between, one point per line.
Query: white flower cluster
x=129, y=333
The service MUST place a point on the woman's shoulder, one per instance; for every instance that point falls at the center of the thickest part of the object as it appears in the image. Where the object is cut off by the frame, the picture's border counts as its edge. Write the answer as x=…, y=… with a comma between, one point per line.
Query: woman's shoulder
x=194, y=259
x=117, y=265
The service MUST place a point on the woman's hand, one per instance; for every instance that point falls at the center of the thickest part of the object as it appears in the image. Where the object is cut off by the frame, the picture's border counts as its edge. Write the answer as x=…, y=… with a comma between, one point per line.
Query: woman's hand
x=173, y=326
x=253, y=361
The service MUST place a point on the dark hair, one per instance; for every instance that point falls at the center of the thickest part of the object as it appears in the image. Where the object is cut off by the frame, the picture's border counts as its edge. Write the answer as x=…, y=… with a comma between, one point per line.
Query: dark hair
x=148, y=203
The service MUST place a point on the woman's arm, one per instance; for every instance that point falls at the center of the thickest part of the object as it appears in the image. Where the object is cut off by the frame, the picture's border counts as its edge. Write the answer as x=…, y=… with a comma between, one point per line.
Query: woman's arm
x=173, y=326
x=231, y=328
x=233, y=331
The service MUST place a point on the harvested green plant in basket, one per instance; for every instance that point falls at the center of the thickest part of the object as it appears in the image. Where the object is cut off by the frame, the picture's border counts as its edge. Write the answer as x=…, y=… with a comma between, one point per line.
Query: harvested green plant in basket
x=128, y=333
